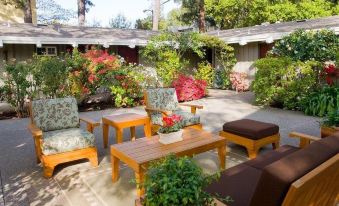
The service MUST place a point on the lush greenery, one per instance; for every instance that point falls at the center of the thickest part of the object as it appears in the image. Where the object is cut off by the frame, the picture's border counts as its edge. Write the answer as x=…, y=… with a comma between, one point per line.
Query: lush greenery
x=170, y=53
x=77, y=74
x=176, y=181
x=227, y=14
x=206, y=72
x=282, y=82
x=16, y=86
x=301, y=45
x=332, y=119
x=302, y=75
x=322, y=101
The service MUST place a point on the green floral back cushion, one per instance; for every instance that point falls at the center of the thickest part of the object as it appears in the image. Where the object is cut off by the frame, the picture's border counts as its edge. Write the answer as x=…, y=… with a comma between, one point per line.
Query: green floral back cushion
x=162, y=98
x=55, y=114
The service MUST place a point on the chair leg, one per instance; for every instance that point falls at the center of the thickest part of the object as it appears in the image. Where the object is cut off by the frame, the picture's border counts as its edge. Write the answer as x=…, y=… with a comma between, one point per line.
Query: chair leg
x=94, y=160
x=275, y=145
x=252, y=152
x=48, y=170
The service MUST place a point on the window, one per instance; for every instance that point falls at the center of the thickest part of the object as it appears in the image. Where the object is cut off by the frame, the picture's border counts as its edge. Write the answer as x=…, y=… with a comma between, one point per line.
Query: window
x=47, y=51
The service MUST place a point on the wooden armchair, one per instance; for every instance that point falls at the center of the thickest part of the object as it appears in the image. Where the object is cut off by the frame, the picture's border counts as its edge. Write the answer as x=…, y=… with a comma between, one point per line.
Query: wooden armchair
x=58, y=138
x=161, y=102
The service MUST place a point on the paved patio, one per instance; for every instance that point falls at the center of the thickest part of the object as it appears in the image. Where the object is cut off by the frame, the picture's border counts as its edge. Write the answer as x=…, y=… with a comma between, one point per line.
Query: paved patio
x=79, y=184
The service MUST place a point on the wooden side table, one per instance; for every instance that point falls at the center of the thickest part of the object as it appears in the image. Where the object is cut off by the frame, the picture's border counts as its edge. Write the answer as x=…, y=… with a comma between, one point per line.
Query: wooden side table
x=121, y=121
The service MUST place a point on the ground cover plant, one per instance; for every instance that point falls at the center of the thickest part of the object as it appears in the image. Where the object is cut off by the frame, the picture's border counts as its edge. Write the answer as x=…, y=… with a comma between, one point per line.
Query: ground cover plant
x=177, y=181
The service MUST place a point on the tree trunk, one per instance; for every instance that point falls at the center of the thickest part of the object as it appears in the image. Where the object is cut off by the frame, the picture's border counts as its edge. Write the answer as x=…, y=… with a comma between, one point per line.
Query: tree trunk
x=202, y=23
x=156, y=14
x=28, y=12
x=81, y=12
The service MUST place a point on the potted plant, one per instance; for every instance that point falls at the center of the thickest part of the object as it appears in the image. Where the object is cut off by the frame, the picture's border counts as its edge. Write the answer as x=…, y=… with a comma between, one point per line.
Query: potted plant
x=171, y=131
x=177, y=181
x=330, y=124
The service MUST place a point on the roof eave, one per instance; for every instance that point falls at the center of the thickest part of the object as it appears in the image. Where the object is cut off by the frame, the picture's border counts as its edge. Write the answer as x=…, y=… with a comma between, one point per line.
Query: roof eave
x=264, y=37
x=70, y=41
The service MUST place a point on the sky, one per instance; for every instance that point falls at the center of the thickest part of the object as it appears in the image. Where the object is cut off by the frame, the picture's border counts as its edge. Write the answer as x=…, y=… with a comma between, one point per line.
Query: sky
x=104, y=10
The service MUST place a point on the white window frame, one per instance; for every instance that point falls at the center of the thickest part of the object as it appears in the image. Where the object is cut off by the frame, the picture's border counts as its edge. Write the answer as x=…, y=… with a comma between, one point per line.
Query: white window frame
x=49, y=47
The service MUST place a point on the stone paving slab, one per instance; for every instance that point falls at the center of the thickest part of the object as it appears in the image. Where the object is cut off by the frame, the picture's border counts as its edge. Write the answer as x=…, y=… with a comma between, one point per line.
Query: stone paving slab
x=78, y=183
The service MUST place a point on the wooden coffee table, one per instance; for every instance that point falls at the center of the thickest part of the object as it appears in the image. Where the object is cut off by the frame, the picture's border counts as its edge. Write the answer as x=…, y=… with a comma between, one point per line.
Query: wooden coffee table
x=139, y=153
x=121, y=121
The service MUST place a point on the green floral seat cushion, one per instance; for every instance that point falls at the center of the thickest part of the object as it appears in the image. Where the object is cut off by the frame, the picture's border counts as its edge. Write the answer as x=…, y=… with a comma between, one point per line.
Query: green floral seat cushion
x=162, y=98
x=187, y=117
x=66, y=140
x=55, y=114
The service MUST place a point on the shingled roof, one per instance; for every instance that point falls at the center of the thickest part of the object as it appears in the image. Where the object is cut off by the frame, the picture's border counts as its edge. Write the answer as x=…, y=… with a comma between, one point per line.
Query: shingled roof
x=269, y=32
x=60, y=34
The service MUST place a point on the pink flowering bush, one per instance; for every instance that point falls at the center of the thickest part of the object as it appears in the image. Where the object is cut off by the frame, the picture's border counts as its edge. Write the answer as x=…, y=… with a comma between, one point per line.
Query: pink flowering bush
x=239, y=81
x=188, y=88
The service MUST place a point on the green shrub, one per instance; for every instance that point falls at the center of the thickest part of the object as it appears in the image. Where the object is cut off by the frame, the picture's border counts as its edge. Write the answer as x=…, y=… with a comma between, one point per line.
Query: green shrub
x=282, y=82
x=176, y=181
x=169, y=67
x=17, y=88
x=222, y=79
x=331, y=119
x=322, y=101
x=205, y=72
x=50, y=75
x=125, y=90
x=303, y=45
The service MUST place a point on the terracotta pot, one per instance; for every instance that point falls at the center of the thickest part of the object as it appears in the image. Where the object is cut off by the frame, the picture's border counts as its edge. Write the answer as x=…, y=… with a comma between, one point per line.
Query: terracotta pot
x=327, y=131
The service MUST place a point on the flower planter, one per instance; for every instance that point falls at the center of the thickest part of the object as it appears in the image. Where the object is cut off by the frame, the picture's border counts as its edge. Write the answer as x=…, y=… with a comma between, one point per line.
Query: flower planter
x=327, y=131
x=170, y=137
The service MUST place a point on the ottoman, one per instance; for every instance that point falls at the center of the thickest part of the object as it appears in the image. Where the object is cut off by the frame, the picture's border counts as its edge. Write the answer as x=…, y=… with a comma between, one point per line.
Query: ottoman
x=251, y=134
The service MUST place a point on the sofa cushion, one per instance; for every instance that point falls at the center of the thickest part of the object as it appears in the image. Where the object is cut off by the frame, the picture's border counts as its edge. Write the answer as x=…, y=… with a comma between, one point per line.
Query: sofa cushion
x=251, y=129
x=238, y=182
x=66, y=140
x=55, y=114
x=269, y=157
x=277, y=177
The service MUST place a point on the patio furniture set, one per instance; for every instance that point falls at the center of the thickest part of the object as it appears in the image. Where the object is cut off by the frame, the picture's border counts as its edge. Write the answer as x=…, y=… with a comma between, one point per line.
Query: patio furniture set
x=279, y=174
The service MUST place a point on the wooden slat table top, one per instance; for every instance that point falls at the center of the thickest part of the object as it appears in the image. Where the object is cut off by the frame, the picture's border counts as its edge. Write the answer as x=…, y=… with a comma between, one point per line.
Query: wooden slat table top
x=126, y=117
x=144, y=150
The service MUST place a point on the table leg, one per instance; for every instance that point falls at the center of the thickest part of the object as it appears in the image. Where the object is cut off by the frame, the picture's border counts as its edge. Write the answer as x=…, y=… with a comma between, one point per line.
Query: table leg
x=115, y=168
x=139, y=177
x=133, y=136
x=222, y=156
x=105, y=131
x=119, y=135
x=148, y=129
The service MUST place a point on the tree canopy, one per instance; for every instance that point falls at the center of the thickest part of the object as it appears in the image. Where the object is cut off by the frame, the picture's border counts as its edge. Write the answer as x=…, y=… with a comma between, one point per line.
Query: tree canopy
x=226, y=14
x=120, y=22
x=48, y=12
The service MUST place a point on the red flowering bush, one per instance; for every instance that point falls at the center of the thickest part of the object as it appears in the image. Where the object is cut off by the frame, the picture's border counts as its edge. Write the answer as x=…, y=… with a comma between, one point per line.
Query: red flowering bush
x=188, y=88
x=171, y=123
x=331, y=74
x=239, y=81
x=90, y=70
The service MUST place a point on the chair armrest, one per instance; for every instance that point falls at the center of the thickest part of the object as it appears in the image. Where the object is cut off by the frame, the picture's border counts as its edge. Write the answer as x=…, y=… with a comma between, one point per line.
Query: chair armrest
x=35, y=131
x=91, y=124
x=193, y=107
x=164, y=112
x=305, y=139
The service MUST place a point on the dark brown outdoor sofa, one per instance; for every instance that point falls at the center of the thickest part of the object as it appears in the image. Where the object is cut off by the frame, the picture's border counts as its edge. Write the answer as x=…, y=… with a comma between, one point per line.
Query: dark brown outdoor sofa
x=287, y=176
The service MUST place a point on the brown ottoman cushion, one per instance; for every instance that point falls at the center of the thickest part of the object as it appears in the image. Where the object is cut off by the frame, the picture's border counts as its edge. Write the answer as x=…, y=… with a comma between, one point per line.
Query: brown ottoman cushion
x=251, y=129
